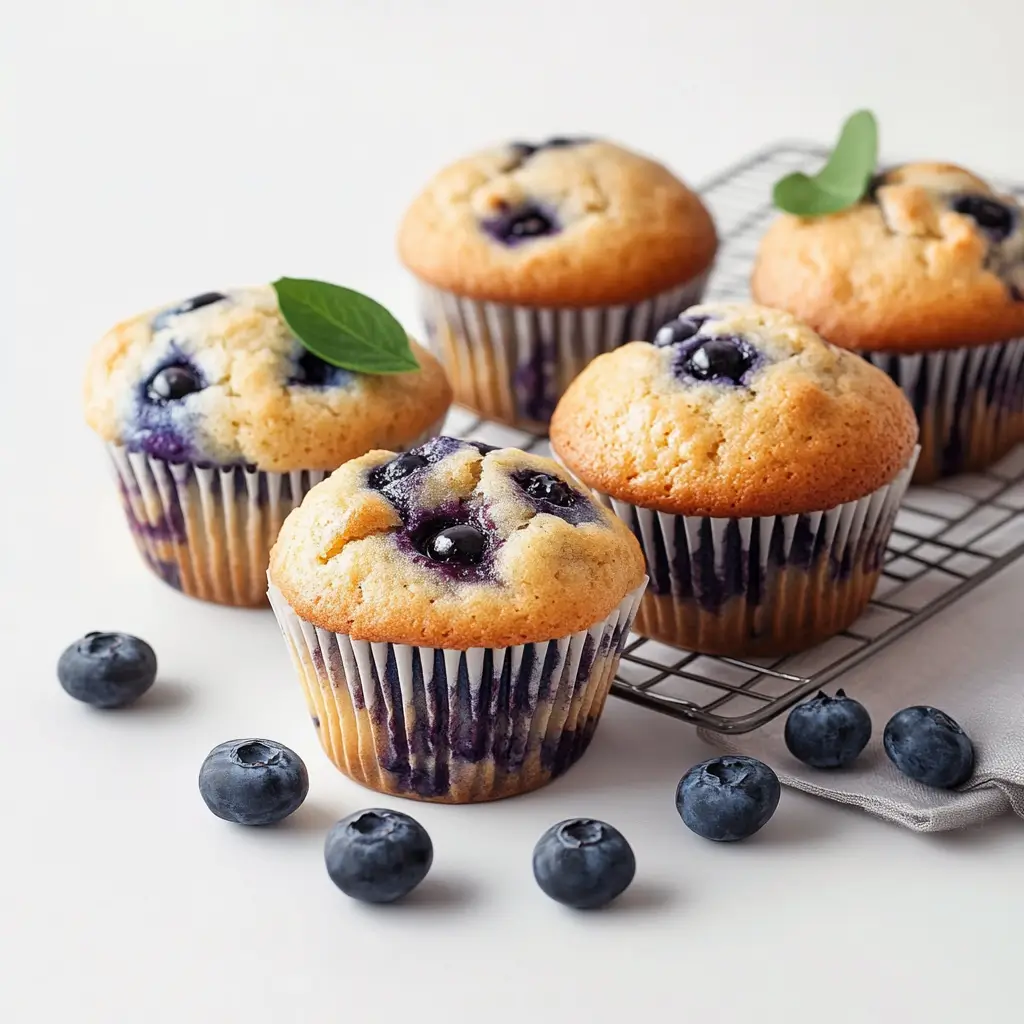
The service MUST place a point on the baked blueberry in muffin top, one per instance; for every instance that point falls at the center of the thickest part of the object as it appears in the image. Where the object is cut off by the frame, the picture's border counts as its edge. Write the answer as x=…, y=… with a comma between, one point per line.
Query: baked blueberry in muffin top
x=932, y=258
x=448, y=545
x=220, y=379
x=734, y=411
x=567, y=221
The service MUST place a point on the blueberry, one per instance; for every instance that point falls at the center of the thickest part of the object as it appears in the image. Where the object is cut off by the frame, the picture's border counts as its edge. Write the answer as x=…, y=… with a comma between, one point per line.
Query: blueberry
x=378, y=856
x=996, y=219
x=253, y=782
x=927, y=745
x=727, y=798
x=563, y=141
x=828, y=732
x=173, y=383
x=107, y=670
x=876, y=181
x=719, y=359
x=461, y=543
x=396, y=469
x=520, y=224
x=583, y=863
x=314, y=372
x=482, y=448
x=545, y=487
x=188, y=306
x=524, y=150
x=681, y=329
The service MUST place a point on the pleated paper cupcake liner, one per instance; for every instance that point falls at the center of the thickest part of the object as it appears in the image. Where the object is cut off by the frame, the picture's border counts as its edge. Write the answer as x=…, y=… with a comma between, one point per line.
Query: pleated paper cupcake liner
x=513, y=363
x=208, y=530
x=969, y=403
x=770, y=585
x=454, y=726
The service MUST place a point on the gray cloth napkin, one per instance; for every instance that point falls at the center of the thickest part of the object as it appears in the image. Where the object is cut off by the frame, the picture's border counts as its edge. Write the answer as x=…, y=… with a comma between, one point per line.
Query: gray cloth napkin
x=968, y=661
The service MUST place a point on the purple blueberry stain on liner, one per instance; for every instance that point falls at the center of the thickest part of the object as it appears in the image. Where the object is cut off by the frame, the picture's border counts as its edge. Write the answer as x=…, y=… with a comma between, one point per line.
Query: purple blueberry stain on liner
x=534, y=382
x=422, y=743
x=742, y=570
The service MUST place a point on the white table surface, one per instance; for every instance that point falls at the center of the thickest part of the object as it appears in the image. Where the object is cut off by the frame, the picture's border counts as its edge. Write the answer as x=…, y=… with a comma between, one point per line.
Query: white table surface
x=162, y=149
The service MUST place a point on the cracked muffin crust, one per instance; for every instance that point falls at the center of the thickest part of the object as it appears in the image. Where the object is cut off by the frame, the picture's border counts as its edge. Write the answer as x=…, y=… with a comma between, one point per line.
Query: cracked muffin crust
x=453, y=545
x=564, y=223
x=734, y=411
x=932, y=259
x=219, y=379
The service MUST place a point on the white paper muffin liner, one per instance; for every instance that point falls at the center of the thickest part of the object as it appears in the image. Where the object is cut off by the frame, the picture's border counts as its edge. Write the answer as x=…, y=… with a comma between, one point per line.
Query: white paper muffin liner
x=208, y=530
x=969, y=403
x=513, y=363
x=767, y=585
x=455, y=726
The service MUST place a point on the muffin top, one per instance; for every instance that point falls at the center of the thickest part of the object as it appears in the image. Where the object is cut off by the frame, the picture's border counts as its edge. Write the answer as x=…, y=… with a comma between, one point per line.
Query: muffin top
x=932, y=258
x=456, y=545
x=566, y=222
x=735, y=411
x=221, y=379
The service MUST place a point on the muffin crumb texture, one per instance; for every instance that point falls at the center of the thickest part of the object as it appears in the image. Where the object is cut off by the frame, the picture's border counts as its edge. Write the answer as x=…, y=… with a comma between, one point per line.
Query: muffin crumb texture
x=735, y=411
x=453, y=545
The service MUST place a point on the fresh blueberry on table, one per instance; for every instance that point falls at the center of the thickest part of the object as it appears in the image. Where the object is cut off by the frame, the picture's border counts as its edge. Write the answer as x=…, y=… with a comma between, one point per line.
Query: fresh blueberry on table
x=173, y=383
x=378, y=856
x=253, y=781
x=828, y=732
x=928, y=746
x=728, y=798
x=107, y=670
x=583, y=863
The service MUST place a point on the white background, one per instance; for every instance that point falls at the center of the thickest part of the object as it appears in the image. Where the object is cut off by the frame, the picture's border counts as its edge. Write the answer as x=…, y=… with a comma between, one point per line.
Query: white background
x=165, y=148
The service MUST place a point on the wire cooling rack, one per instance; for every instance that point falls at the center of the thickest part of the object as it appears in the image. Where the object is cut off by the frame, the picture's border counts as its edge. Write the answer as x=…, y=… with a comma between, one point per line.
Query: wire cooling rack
x=949, y=537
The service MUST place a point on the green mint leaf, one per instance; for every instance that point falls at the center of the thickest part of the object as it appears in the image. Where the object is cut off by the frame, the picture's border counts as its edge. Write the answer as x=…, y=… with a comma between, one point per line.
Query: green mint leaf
x=344, y=328
x=842, y=181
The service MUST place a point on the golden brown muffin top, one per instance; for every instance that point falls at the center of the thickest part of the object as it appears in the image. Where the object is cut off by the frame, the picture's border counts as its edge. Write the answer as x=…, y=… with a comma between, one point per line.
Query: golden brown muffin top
x=932, y=259
x=735, y=411
x=240, y=388
x=453, y=545
x=567, y=223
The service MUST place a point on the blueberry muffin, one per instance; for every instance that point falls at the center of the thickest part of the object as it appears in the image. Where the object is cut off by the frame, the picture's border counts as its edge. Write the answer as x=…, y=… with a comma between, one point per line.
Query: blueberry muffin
x=534, y=258
x=760, y=467
x=218, y=421
x=924, y=278
x=455, y=615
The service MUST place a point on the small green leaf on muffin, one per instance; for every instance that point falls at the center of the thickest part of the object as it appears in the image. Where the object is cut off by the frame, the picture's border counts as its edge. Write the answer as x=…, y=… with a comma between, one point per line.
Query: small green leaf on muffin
x=843, y=181
x=344, y=328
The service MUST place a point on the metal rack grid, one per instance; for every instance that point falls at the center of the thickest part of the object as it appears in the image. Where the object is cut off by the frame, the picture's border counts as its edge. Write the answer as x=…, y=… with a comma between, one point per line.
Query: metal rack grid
x=949, y=537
